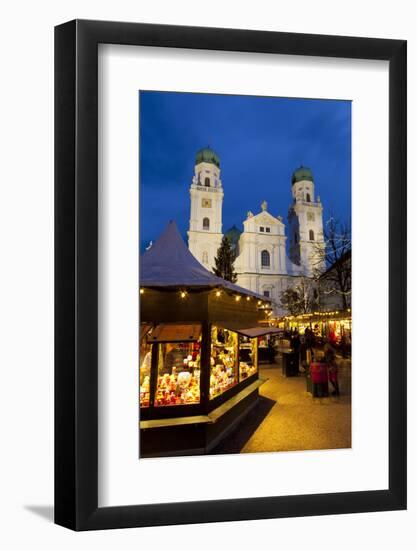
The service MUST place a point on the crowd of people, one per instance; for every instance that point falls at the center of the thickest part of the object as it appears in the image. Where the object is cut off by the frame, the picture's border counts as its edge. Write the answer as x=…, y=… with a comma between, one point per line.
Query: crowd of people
x=312, y=347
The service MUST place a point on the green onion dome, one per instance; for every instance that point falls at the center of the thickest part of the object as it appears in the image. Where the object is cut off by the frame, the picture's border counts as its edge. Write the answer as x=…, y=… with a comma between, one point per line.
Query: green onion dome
x=302, y=174
x=233, y=234
x=207, y=155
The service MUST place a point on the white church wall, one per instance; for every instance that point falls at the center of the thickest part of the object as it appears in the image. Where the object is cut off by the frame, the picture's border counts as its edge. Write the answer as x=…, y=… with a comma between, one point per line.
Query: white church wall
x=262, y=232
x=273, y=284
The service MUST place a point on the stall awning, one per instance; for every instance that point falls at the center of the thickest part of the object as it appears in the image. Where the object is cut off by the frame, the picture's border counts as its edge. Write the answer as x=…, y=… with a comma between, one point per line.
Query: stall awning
x=250, y=332
x=175, y=333
x=258, y=331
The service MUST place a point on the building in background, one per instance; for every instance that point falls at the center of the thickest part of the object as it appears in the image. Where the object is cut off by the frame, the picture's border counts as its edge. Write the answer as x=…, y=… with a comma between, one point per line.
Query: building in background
x=262, y=263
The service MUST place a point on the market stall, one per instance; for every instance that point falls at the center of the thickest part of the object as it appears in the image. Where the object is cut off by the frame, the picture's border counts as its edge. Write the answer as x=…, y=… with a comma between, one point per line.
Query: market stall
x=198, y=360
x=327, y=326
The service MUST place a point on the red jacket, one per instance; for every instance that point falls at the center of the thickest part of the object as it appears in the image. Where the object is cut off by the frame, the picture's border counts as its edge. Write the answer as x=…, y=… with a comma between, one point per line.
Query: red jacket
x=319, y=373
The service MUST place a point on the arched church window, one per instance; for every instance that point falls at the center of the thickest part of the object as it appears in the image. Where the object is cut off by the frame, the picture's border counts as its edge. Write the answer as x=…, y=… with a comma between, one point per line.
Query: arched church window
x=267, y=293
x=206, y=224
x=311, y=235
x=265, y=258
x=205, y=257
x=207, y=182
x=308, y=198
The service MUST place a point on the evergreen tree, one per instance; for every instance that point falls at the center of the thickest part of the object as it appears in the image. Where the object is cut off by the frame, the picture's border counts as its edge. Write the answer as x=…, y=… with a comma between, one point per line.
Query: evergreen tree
x=224, y=261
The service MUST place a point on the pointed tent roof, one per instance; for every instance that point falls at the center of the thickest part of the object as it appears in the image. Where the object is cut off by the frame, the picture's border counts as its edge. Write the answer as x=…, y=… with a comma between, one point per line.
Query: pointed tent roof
x=169, y=263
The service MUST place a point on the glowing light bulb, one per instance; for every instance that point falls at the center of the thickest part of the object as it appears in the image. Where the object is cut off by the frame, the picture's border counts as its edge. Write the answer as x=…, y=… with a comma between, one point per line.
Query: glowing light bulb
x=183, y=294
x=142, y=291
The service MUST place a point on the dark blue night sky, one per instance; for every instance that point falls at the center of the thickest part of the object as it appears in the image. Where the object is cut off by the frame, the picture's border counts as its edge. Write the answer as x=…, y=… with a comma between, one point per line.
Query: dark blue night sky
x=260, y=142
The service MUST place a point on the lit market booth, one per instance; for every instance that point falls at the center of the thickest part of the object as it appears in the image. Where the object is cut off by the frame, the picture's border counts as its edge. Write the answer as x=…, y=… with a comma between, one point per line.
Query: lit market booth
x=333, y=326
x=198, y=350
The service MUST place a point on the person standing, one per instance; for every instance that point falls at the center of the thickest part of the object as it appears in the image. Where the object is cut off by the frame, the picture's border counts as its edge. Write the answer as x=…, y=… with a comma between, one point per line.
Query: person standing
x=330, y=359
x=309, y=342
x=296, y=345
x=271, y=350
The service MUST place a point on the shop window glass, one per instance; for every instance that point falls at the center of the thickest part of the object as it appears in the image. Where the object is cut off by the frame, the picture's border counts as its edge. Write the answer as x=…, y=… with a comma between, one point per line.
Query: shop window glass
x=248, y=357
x=145, y=358
x=178, y=381
x=223, y=361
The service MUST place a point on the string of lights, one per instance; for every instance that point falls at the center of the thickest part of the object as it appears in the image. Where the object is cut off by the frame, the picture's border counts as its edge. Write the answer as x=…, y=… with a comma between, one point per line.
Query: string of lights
x=183, y=294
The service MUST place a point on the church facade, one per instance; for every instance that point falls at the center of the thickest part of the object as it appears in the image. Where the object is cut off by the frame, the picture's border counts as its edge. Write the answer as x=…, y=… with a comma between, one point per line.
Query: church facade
x=265, y=263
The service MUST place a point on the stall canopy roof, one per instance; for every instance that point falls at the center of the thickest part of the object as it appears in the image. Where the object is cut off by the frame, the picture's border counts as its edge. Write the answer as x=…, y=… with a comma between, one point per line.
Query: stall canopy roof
x=169, y=263
x=251, y=332
x=258, y=331
x=175, y=333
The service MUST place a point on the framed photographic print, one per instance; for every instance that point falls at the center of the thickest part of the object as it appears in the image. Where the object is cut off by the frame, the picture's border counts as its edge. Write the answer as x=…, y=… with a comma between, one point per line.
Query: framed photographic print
x=230, y=275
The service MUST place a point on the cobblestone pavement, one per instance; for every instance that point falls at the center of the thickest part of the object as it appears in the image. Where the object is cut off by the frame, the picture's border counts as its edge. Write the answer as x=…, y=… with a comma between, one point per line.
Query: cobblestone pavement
x=287, y=418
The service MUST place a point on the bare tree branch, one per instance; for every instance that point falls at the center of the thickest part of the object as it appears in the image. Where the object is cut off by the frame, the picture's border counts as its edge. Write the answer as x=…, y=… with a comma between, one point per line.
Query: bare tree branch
x=336, y=255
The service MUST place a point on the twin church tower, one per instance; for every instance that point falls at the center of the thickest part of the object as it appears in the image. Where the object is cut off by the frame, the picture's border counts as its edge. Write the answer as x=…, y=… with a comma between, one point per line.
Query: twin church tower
x=262, y=264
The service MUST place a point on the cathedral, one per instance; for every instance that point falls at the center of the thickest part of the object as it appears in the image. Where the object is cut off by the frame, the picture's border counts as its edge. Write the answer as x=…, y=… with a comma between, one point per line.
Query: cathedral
x=264, y=262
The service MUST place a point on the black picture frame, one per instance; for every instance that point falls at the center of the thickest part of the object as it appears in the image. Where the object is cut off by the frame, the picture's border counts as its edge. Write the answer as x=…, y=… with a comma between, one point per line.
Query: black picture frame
x=76, y=271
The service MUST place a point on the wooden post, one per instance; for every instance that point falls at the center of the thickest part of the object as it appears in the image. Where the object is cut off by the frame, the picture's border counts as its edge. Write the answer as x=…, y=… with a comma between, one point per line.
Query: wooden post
x=205, y=365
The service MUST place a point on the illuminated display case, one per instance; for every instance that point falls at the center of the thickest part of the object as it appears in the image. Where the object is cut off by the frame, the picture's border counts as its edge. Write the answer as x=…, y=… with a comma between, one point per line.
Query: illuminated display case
x=223, y=361
x=178, y=374
x=188, y=369
x=145, y=361
x=145, y=358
